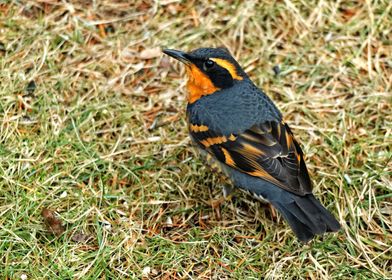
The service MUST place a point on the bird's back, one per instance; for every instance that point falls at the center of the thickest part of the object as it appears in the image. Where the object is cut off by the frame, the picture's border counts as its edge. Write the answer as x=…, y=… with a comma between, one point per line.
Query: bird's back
x=234, y=110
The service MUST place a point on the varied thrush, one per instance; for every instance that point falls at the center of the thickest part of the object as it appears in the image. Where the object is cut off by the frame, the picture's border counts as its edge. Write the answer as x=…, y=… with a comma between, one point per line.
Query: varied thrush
x=237, y=124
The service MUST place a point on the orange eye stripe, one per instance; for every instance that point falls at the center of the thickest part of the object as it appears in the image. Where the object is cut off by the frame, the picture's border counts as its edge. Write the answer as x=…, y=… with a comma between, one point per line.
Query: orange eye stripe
x=228, y=66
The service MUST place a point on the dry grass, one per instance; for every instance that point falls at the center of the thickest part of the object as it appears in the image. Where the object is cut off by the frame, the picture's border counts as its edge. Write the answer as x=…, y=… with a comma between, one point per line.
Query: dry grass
x=99, y=136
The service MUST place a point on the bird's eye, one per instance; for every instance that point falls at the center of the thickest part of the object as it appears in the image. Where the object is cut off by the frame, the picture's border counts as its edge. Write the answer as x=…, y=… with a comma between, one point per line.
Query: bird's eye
x=208, y=64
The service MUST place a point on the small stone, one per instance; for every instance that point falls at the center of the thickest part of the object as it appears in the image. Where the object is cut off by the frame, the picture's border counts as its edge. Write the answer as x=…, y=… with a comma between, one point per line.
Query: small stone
x=348, y=179
x=276, y=69
x=63, y=194
x=169, y=221
x=146, y=271
x=31, y=86
x=106, y=225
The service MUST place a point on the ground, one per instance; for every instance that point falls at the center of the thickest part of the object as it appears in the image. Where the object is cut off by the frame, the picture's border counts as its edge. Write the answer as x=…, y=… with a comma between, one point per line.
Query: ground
x=98, y=176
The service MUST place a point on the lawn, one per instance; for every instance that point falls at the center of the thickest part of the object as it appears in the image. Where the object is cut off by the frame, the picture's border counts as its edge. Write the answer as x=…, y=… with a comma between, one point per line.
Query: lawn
x=99, y=180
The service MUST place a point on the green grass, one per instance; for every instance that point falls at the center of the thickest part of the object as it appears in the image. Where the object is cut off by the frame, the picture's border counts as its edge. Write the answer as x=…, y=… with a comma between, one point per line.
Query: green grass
x=82, y=142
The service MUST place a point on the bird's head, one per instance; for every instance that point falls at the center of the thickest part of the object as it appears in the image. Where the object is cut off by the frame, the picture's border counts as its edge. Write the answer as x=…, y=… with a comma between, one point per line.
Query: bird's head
x=209, y=70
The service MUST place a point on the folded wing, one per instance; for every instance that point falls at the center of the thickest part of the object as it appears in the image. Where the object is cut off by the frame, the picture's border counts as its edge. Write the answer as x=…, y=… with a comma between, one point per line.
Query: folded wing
x=267, y=150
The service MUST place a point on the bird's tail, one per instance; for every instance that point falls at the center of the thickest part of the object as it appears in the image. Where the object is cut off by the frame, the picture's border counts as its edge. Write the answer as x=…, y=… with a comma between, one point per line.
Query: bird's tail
x=306, y=216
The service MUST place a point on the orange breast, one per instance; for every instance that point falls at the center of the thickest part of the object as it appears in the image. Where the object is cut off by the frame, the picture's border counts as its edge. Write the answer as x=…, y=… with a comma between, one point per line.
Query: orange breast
x=199, y=84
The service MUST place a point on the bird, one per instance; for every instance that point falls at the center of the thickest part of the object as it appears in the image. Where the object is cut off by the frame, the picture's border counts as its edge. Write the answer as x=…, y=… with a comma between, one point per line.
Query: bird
x=236, y=126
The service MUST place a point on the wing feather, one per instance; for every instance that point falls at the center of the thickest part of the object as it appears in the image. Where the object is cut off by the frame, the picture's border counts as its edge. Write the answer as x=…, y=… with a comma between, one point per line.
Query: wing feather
x=267, y=150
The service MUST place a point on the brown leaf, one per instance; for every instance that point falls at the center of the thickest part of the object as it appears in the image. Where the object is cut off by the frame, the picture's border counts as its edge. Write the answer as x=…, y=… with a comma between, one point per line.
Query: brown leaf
x=150, y=116
x=165, y=62
x=348, y=13
x=150, y=53
x=195, y=18
x=102, y=31
x=81, y=237
x=52, y=222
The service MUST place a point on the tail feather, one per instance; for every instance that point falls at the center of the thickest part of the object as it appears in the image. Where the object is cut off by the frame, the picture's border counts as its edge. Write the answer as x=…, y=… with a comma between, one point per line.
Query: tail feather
x=306, y=216
x=301, y=231
x=325, y=216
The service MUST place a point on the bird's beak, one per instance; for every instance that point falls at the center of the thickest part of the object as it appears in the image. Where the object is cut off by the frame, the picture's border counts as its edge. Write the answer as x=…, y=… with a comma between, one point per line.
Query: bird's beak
x=179, y=55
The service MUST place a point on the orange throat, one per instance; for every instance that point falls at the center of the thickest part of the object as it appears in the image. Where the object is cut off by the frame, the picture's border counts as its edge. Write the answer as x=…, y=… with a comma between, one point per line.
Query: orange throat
x=199, y=84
